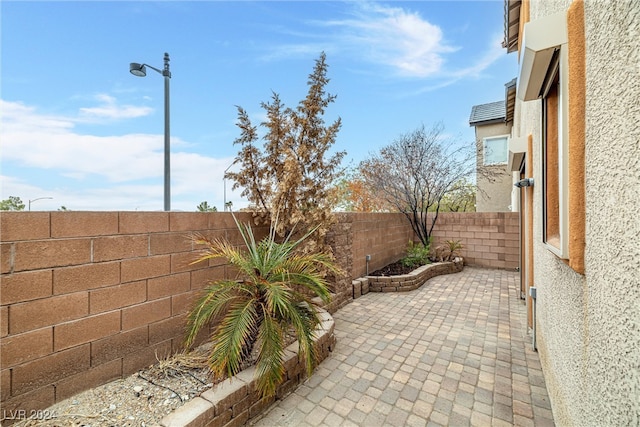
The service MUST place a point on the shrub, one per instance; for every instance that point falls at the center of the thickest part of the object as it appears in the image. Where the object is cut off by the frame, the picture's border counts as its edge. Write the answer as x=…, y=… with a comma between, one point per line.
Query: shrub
x=451, y=249
x=417, y=255
x=271, y=299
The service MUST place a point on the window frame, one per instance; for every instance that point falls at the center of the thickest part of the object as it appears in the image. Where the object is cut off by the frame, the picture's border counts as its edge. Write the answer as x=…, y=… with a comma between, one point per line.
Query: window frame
x=558, y=240
x=484, y=149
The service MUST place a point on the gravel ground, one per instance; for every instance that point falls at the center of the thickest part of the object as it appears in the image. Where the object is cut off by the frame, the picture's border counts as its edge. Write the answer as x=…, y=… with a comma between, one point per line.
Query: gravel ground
x=140, y=400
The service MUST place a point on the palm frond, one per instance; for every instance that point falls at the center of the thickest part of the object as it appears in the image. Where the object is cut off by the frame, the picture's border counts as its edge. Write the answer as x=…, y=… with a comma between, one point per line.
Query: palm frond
x=269, y=366
x=278, y=298
x=214, y=301
x=232, y=336
x=304, y=318
x=316, y=285
x=274, y=295
x=305, y=271
x=216, y=248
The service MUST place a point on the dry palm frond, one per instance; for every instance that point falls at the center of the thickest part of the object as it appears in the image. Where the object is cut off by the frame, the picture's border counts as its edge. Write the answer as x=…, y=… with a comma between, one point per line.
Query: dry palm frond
x=180, y=363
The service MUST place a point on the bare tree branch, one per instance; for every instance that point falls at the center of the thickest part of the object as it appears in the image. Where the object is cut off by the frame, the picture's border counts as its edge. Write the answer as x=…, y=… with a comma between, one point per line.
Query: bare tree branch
x=416, y=172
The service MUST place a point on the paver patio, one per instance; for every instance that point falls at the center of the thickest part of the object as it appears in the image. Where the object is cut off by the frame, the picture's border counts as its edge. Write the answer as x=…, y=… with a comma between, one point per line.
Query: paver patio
x=454, y=352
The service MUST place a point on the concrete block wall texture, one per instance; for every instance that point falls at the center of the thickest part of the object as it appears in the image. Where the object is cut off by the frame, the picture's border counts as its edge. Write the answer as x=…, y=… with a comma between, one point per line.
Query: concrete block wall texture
x=88, y=297
x=489, y=239
x=383, y=236
x=340, y=238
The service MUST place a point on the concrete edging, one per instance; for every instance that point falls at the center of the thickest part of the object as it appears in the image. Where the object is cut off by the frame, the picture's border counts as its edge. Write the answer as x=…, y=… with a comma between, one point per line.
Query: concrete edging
x=405, y=282
x=235, y=401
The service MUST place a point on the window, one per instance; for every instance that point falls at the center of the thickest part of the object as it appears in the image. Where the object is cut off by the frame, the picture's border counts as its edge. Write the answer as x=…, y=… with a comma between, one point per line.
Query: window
x=551, y=45
x=495, y=150
x=554, y=156
x=550, y=184
x=544, y=75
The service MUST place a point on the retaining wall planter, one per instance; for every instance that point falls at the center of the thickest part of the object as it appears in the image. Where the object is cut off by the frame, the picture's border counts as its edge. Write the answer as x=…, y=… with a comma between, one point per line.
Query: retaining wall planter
x=235, y=401
x=405, y=282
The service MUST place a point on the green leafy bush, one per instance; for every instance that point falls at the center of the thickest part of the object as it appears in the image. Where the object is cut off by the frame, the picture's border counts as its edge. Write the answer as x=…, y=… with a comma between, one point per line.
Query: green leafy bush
x=417, y=255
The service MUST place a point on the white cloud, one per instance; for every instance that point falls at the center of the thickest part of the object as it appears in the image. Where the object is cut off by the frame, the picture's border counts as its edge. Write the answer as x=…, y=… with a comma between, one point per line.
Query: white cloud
x=395, y=37
x=40, y=141
x=111, y=110
x=493, y=53
x=107, y=172
x=17, y=117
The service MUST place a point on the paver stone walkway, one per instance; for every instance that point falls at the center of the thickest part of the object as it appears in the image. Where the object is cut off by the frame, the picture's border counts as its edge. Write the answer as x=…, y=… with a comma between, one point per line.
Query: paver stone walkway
x=453, y=353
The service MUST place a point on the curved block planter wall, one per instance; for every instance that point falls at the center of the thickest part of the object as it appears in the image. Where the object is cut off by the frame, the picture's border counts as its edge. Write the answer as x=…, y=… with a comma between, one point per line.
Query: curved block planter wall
x=406, y=282
x=235, y=401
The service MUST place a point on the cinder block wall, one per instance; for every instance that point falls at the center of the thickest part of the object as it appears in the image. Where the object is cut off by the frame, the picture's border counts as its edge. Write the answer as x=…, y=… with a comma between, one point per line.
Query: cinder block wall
x=384, y=236
x=489, y=239
x=88, y=297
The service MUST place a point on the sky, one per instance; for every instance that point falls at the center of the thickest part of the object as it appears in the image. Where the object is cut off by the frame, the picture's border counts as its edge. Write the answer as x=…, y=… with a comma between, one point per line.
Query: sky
x=78, y=130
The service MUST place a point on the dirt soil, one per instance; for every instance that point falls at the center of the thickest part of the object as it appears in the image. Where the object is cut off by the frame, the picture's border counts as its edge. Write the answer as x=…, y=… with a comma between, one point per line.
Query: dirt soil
x=394, y=269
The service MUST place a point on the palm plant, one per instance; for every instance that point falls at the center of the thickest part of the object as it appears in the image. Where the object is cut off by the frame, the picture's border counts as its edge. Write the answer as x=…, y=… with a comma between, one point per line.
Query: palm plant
x=271, y=298
x=452, y=249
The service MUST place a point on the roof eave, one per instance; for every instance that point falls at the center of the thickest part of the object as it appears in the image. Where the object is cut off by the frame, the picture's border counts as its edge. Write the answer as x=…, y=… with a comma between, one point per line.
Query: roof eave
x=511, y=24
x=510, y=100
x=499, y=120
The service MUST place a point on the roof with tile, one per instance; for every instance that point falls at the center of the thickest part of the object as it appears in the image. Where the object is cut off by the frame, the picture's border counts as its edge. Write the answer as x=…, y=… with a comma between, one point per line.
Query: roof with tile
x=493, y=112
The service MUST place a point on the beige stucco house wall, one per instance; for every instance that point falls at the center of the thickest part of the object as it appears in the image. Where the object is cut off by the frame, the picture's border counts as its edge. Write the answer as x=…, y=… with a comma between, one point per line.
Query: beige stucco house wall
x=493, y=195
x=588, y=322
x=493, y=190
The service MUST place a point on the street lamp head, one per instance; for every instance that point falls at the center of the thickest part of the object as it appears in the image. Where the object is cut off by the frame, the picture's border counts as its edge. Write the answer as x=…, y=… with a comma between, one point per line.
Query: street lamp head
x=138, y=70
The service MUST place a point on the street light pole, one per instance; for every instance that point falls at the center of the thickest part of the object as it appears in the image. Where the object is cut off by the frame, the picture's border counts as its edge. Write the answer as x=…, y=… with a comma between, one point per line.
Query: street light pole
x=39, y=198
x=140, y=70
x=167, y=136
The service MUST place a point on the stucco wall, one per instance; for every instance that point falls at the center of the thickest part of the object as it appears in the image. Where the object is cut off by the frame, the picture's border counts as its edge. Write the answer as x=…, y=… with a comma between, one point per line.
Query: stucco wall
x=613, y=198
x=589, y=326
x=493, y=195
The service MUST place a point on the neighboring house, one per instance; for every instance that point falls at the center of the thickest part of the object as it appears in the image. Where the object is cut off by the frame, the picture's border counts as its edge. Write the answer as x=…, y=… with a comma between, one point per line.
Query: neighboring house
x=492, y=130
x=576, y=133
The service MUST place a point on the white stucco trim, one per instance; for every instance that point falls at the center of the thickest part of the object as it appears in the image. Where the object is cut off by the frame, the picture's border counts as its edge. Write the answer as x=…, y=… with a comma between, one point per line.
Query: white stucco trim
x=541, y=38
x=517, y=150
